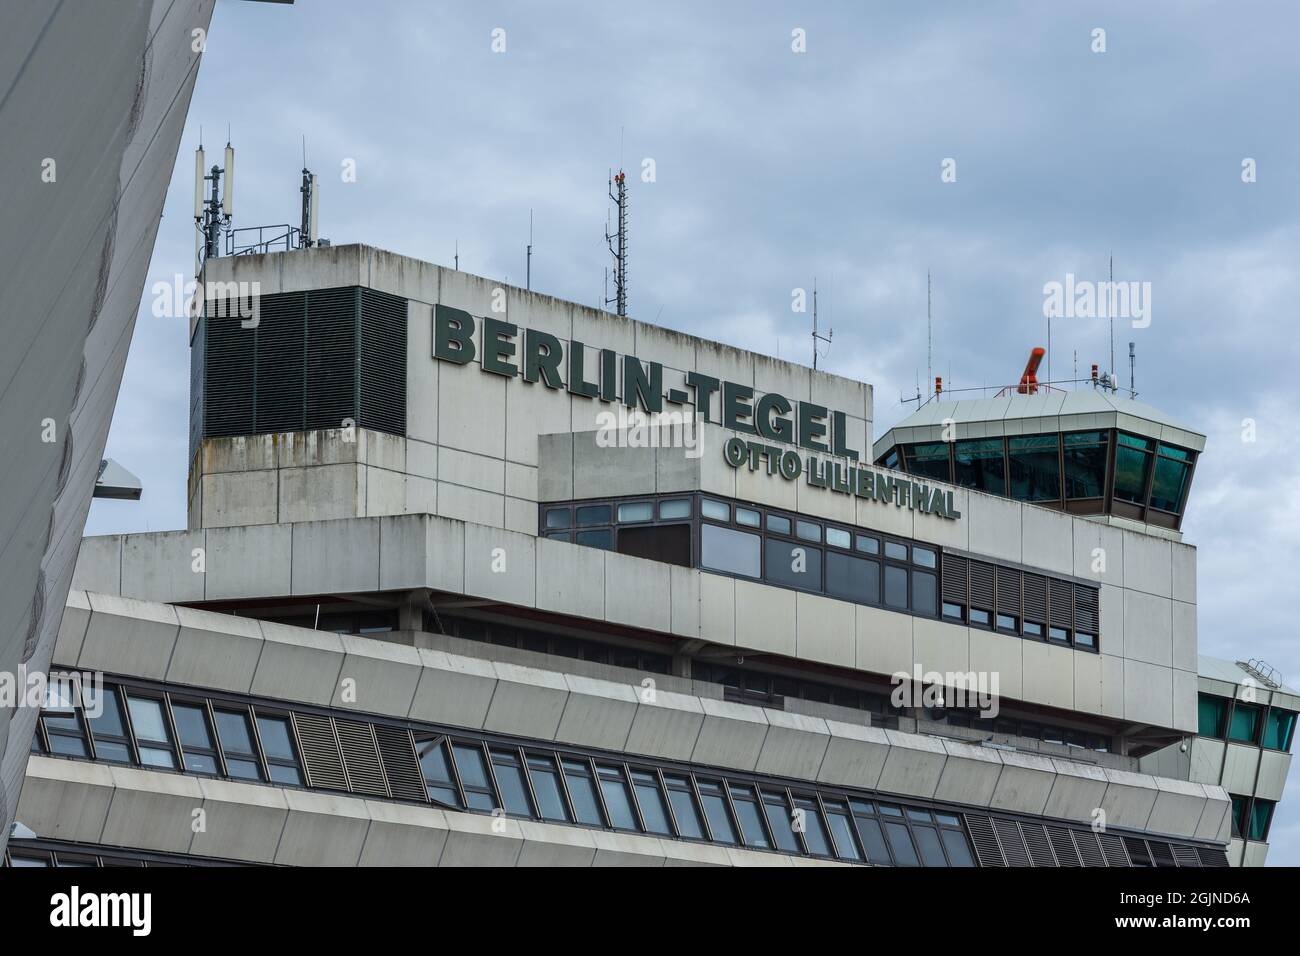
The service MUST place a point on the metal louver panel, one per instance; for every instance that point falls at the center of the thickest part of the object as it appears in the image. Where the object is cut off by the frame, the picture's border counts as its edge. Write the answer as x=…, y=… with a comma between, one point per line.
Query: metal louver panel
x=1092, y=849
x=981, y=585
x=1113, y=847
x=1040, y=851
x=1009, y=591
x=320, y=751
x=331, y=368
x=1186, y=856
x=1013, y=847
x=1036, y=598
x=361, y=758
x=382, y=358
x=1063, y=846
x=1085, y=609
x=281, y=342
x=198, y=403
x=228, y=377
x=401, y=766
x=985, y=841
x=1161, y=854
x=1212, y=856
x=1137, y=851
x=1061, y=594
x=954, y=579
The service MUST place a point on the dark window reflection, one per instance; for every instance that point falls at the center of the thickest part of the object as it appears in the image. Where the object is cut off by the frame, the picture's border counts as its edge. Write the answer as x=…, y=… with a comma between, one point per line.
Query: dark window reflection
x=1035, y=467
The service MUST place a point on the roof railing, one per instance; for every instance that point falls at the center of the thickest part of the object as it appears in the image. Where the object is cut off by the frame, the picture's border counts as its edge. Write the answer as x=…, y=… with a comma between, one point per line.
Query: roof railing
x=1003, y=391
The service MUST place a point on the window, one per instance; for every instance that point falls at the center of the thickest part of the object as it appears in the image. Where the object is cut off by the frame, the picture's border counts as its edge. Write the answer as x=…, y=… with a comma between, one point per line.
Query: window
x=109, y=728
x=867, y=544
x=557, y=518
x=618, y=799
x=716, y=812
x=924, y=557
x=650, y=800
x=277, y=746
x=235, y=734
x=954, y=611
x=895, y=550
x=547, y=788
x=1035, y=467
x=674, y=509
x=471, y=767
x=1173, y=469
x=198, y=750
x=1085, y=464
x=1244, y=728
x=1132, y=466
x=61, y=719
x=1279, y=727
x=745, y=802
x=808, y=814
x=150, y=725
x=930, y=460
x=870, y=833
x=808, y=530
x=582, y=791
x=839, y=538
x=1211, y=712
x=685, y=809
x=895, y=587
x=435, y=766
x=509, y=773
x=837, y=816
x=748, y=517
x=980, y=465
x=636, y=511
x=854, y=579
x=587, y=515
x=1261, y=815
x=735, y=552
x=979, y=617
x=602, y=538
x=780, y=820
x=717, y=510
x=924, y=591
x=778, y=524
x=1239, y=816
x=794, y=565
x=1007, y=622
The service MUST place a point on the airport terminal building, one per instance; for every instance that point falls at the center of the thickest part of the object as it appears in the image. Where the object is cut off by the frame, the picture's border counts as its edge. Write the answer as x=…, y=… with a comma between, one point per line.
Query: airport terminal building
x=473, y=575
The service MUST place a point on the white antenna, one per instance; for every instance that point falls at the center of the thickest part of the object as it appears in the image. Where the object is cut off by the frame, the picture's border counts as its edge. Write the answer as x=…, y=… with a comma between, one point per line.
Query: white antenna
x=228, y=197
x=199, y=171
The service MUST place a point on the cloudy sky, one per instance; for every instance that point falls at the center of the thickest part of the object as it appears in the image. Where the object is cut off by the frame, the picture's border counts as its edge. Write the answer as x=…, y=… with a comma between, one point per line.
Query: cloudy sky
x=772, y=167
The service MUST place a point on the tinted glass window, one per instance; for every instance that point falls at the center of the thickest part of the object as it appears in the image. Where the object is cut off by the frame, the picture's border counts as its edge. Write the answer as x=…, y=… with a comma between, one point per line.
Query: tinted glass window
x=685, y=810
x=1132, y=464
x=901, y=844
x=794, y=565
x=924, y=557
x=717, y=510
x=715, y=809
x=814, y=830
x=748, y=517
x=751, y=821
x=582, y=790
x=873, y=840
x=557, y=517
x=1035, y=467
x=924, y=591
x=726, y=549
x=1261, y=813
x=636, y=511
x=1245, y=723
x=930, y=460
x=510, y=783
x=780, y=820
x=593, y=514
x=602, y=538
x=546, y=785
x=1085, y=464
x=895, y=587
x=867, y=544
x=837, y=816
x=839, y=537
x=437, y=772
x=618, y=801
x=151, y=731
x=927, y=839
x=1279, y=728
x=979, y=465
x=958, y=852
x=896, y=550
x=1169, y=482
x=807, y=530
x=677, y=508
x=778, y=524
x=854, y=579
x=650, y=799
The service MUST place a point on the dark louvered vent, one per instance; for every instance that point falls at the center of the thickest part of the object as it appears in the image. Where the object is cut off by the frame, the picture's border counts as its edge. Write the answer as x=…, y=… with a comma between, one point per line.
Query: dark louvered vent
x=1063, y=845
x=361, y=758
x=1186, y=855
x=1137, y=851
x=985, y=841
x=1013, y=847
x=981, y=585
x=1061, y=594
x=1036, y=598
x=1009, y=591
x=1161, y=853
x=280, y=356
x=383, y=362
x=320, y=751
x=954, y=579
x=1085, y=609
x=1091, y=849
x=1212, y=856
x=1040, y=851
x=331, y=367
x=228, y=386
x=401, y=766
x=1113, y=847
x=315, y=359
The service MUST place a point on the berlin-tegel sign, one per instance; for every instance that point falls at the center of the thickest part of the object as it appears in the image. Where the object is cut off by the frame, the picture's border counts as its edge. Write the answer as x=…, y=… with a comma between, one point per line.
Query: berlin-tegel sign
x=772, y=417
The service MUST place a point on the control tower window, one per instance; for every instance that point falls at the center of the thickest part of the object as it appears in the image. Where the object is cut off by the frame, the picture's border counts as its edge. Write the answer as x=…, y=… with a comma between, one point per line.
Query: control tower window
x=981, y=465
x=1035, y=466
x=929, y=460
x=1132, y=466
x=1173, y=467
x=1085, y=464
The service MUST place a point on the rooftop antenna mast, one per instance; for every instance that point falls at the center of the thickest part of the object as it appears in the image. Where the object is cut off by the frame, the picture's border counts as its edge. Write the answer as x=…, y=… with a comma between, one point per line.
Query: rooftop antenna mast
x=618, y=242
x=310, y=203
x=214, y=213
x=929, y=335
x=528, y=273
x=816, y=336
x=1111, y=312
x=1132, y=362
x=456, y=256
